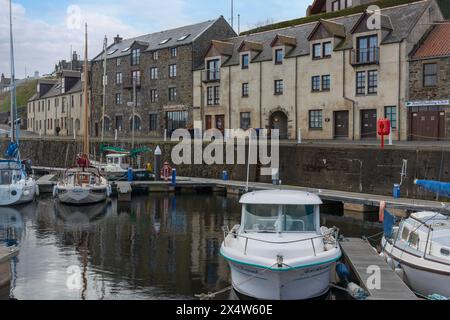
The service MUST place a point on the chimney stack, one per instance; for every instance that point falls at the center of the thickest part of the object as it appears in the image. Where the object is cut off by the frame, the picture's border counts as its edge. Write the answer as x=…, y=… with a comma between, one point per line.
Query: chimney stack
x=117, y=39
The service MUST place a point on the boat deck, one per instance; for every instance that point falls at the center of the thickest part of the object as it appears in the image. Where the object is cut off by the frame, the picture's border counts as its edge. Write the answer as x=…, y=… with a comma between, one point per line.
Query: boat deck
x=360, y=257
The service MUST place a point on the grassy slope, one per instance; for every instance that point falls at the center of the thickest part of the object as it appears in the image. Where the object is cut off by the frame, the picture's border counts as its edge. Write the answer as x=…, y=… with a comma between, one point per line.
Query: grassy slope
x=24, y=93
x=329, y=15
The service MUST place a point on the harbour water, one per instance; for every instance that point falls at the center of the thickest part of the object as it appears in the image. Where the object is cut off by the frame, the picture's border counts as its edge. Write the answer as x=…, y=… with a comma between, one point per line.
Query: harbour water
x=162, y=246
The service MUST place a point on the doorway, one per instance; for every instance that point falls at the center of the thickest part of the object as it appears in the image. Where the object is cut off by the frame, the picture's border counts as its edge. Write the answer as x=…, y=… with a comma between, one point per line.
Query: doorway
x=341, y=124
x=279, y=121
x=369, y=124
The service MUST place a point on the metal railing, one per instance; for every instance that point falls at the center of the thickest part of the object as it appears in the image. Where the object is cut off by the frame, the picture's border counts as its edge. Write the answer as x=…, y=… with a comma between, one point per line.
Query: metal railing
x=365, y=56
x=334, y=233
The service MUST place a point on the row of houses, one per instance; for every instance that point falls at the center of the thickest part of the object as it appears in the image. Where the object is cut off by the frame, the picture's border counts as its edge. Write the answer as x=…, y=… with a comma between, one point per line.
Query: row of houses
x=326, y=78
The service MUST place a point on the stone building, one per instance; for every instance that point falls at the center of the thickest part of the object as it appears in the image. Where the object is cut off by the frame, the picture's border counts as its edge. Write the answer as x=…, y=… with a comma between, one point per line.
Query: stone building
x=429, y=94
x=5, y=84
x=321, y=6
x=75, y=64
x=57, y=106
x=162, y=64
x=328, y=79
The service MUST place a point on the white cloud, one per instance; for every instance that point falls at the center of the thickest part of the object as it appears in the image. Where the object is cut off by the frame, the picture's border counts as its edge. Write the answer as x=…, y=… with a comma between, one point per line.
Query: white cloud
x=39, y=45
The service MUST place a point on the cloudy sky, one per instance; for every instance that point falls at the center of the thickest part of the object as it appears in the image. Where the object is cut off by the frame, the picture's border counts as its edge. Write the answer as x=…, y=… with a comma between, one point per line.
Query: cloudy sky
x=45, y=30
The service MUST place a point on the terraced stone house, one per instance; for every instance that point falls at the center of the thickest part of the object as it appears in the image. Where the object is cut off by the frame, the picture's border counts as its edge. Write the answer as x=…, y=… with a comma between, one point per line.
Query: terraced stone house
x=162, y=65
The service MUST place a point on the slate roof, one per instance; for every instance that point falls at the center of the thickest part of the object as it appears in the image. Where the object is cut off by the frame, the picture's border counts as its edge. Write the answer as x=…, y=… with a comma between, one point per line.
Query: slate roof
x=433, y=45
x=153, y=40
x=403, y=18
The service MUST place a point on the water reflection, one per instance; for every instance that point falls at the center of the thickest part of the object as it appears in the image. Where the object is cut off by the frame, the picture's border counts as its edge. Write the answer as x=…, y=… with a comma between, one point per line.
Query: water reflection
x=156, y=247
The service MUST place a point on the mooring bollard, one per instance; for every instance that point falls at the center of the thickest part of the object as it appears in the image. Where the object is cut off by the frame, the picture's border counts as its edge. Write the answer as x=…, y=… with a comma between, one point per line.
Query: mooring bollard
x=174, y=177
x=225, y=175
x=396, y=192
x=157, y=163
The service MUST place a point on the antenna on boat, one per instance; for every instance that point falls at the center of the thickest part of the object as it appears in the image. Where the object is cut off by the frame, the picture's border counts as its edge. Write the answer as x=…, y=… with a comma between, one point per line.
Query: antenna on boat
x=248, y=162
x=105, y=47
x=13, y=77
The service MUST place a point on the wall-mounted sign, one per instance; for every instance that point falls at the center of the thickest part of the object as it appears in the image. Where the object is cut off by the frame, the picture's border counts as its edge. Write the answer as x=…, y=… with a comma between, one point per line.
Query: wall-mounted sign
x=427, y=103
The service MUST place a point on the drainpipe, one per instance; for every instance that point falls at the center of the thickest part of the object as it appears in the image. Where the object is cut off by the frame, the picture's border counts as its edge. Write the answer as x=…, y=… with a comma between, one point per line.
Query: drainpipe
x=399, y=89
x=229, y=97
x=344, y=95
x=260, y=96
x=296, y=99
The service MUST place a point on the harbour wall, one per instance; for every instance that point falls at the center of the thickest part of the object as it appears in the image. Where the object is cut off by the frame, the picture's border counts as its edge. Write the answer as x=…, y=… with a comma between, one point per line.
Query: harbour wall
x=350, y=168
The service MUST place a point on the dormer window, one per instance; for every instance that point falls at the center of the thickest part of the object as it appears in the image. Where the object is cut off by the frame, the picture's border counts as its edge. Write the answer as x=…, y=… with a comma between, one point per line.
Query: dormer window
x=279, y=56
x=322, y=50
x=317, y=51
x=135, y=57
x=327, y=49
x=245, y=61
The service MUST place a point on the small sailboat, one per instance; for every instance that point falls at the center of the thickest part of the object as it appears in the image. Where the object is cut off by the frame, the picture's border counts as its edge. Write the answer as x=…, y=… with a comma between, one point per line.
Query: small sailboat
x=418, y=248
x=280, y=252
x=83, y=185
x=17, y=186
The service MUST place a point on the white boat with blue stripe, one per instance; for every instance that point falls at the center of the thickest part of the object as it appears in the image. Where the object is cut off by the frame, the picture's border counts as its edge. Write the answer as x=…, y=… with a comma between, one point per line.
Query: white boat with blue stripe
x=280, y=252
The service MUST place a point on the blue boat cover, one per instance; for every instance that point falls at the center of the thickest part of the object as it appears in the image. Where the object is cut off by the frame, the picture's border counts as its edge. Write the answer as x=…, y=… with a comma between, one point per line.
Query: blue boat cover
x=441, y=188
x=388, y=223
x=12, y=151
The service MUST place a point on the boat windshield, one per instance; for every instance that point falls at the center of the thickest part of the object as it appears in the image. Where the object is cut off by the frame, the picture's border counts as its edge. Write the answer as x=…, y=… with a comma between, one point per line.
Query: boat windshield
x=279, y=218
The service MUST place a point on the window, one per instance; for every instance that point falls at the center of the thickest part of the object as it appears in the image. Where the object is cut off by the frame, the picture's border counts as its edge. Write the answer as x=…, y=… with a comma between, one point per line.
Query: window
x=118, y=62
x=315, y=82
x=429, y=74
x=63, y=104
x=278, y=87
x=137, y=123
x=326, y=83
x=390, y=113
x=155, y=55
x=213, y=70
x=336, y=5
x=153, y=73
x=153, y=95
x=367, y=49
x=315, y=119
x=172, y=71
x=245, y=120
x=327, y=49
x=119, y=123
x=348, y=3
x=153, y=122
x=135, y=57
x=184, y=37
x=372, y=81
x=165, y=41
x=213, y=97
x=48, y=105
x=112, y=52
x=172, y=94
x=245, y=90
x=136, y=76
x=119, y=78
x=279, y=56
x=118, y=98
x=173, y=52
x=245, y=61
x=106, y=123
x=176, y=120
x=361, y=82
x=317, y=51
x=405, y=233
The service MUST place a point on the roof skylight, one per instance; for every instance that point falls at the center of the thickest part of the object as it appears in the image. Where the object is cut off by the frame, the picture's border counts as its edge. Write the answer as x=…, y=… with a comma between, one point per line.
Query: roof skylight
x=126, y=49
x=184, y=37
x=165, y=41
x=112, y=52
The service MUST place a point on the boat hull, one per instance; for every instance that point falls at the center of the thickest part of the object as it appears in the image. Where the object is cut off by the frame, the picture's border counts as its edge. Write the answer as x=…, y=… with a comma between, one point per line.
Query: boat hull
x=268, y=284
x=12, y=195
x=81, y=196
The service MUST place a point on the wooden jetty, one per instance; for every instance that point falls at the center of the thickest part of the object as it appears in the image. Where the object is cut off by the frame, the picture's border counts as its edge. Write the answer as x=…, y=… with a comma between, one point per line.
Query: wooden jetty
x=362, y=258
x=46, y=183
x=5, y=266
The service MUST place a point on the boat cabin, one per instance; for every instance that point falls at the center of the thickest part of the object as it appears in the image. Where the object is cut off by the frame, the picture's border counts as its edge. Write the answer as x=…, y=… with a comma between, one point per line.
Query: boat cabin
x=425, y=234
x=10, y=172
x=277, y=211
x=82, y=178
x=117, y=161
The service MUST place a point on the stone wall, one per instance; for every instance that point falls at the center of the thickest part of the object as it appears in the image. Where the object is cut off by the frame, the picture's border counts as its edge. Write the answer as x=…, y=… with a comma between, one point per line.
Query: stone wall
x=346, y=168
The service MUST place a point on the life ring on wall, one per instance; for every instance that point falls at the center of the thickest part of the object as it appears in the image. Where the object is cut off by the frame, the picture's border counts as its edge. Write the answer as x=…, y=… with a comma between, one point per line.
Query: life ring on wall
x=166, y=171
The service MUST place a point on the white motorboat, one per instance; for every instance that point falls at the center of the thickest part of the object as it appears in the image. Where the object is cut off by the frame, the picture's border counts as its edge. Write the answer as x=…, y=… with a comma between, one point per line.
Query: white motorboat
x=82, y=186
x=419, y=250
x=280, y=252
x=16, y=186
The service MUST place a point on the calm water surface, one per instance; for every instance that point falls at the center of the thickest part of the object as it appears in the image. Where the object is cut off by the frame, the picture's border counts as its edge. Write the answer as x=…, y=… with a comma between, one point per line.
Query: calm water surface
x=157, y=247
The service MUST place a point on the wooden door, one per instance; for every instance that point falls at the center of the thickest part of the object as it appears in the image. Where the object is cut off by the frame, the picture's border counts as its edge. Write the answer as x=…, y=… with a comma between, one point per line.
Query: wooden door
x=341, y=124
x=369, y=124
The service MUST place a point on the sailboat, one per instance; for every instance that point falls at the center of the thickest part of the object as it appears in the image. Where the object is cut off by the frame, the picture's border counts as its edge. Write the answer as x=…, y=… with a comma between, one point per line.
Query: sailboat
x=16, y=185
x=84, y=184
x=418, y=248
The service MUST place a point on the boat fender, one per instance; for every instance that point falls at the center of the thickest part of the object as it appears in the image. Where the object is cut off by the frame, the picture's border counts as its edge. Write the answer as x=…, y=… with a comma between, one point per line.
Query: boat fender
x=108, y=191
x=342, y=272
x=356, y=291
x=26, y=193
x=390, y=262
x=54, y=192
x=382, y=255
x=37, y=190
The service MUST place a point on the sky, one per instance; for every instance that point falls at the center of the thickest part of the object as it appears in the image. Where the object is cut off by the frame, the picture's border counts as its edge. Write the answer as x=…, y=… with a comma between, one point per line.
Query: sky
x=45, y=31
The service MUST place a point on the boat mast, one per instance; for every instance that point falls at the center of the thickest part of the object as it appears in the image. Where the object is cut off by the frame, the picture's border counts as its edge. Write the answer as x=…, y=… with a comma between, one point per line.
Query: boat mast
x=13, y=77
x=105, y=46
x=86, y=98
